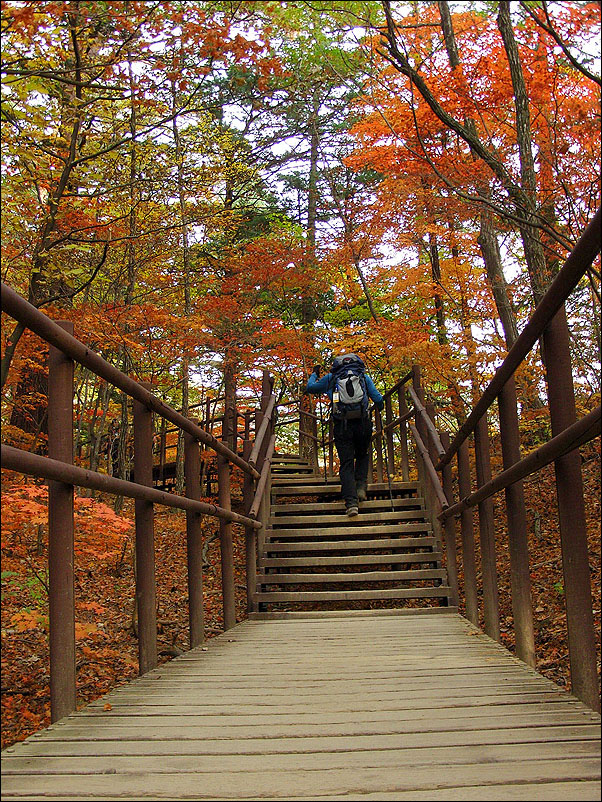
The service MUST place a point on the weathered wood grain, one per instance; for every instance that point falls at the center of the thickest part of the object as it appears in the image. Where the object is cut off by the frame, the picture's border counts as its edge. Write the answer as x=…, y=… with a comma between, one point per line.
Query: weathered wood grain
x=348, y=707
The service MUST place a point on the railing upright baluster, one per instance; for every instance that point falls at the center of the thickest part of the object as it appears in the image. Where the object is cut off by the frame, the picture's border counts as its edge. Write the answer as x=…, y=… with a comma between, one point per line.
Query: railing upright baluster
x=467, y=534
x=389, y=436
x=491, y=612
x=250, y=533
x=378, y=444
x=451, y=557
x=226, y=546
x=422, y=478
x=194, y=543
x=522, y=608
x=330, y=447
x=403, y=434
x=145, y=547
x=60, y=536
x=571, y=514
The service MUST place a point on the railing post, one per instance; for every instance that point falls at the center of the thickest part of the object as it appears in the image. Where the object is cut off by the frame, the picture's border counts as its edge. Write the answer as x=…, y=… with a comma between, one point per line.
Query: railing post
x=226, y=546
x=451, y=558
x=571, y=514
x=403, y=434
x=522, y=610
x=194, y=543
x=423, y=432
x=145, y=548
x=314, y=431
x=330, y=447
x=162, y=449
x=491, y=612
x=467, y=533
x=60, y=536
x=250, y=533
x=378, y=443
x=389, y=436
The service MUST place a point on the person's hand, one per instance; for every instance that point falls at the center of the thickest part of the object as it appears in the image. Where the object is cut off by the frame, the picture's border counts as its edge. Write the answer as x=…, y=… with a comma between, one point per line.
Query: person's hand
x=317, y=369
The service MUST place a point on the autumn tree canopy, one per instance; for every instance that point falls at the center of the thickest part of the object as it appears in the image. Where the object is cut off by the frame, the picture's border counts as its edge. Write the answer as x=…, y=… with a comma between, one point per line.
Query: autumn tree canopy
x=210, y=188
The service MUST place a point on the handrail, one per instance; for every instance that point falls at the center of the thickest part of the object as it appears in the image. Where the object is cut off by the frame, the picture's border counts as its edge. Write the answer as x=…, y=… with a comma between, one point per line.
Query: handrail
x=434, y=434
x=263, y=479
x=428, y=463
x=260, y=437
x=398, y=385
x=574, y=268
x=35, y=320
x=15, y=459
x=399, y=420
x=569, y=439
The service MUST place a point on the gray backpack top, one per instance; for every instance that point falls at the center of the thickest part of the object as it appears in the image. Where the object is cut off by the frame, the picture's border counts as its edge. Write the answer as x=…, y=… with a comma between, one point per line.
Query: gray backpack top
x=349, y=397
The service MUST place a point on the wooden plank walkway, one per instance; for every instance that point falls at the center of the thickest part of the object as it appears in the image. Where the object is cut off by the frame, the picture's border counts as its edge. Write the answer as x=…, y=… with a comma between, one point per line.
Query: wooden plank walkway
x=420, y=706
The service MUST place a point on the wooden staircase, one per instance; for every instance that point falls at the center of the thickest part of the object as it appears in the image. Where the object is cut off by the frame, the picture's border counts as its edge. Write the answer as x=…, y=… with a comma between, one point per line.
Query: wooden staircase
x=312, y=553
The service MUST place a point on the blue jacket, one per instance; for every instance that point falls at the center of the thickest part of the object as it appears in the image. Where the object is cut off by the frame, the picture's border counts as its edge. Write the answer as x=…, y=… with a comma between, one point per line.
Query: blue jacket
x=318, y=386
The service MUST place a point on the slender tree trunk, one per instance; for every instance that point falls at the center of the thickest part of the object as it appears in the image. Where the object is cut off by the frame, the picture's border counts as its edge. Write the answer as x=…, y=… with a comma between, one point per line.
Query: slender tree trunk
x=490, y=250
x=185, y=381
x=123, y=462
x=530, y=232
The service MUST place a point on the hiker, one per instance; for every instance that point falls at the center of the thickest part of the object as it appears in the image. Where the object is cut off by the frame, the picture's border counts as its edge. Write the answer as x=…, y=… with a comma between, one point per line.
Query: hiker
x=349, y=388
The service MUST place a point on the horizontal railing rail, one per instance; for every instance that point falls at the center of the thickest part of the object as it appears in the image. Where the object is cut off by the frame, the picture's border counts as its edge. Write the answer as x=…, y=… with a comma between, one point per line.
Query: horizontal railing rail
x=573, y=270
x=15, y=459
x=63, y=476
x=35, y=320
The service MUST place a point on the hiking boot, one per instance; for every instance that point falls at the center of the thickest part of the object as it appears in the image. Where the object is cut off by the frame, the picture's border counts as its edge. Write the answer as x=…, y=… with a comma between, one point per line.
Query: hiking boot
x=352, y=511
x=361, y=493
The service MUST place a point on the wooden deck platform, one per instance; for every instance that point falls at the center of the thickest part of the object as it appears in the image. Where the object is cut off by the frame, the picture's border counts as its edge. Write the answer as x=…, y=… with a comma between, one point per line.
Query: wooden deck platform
x=417, y=706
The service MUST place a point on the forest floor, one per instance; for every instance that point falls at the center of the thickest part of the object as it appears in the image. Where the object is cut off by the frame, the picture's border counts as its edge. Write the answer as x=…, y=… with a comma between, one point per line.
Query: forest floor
x=106, y=640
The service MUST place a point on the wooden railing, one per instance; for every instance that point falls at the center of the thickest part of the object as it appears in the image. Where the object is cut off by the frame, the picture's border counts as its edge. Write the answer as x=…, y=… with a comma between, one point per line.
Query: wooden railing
x=433, y=453
x=63, y=475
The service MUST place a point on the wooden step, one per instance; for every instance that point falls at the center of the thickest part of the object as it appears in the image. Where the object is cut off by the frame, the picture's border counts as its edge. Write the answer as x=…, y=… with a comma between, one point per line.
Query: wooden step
x=352, y=545
x=279, y=471
x=352, y=576
x=349, y=531
x=354, y=559
x=283, y=487
x=363, y=519
x=441, y=592
x=325, y=506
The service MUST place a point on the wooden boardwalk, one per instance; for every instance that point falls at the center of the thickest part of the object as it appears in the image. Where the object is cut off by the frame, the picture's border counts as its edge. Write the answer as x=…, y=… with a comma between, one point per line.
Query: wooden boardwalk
x=420, y=706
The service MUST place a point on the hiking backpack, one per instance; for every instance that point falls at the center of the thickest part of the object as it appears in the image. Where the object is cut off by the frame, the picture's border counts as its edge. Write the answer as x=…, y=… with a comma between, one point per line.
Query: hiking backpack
x=349, y=393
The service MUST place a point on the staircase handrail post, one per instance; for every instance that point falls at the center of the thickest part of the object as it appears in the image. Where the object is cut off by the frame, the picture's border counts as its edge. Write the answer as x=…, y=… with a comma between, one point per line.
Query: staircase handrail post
x=378, y=444
x=389, y=435
x=194, y=542
x=250, y=533
x=434, y=448
x=467, y=536
x=403, y=433
x=451, y=557
x=146, y=593
x=61, y=594
x=571, y=515
x=516, y=516
x=226, y=545
x=420, y=425
x=491, y=613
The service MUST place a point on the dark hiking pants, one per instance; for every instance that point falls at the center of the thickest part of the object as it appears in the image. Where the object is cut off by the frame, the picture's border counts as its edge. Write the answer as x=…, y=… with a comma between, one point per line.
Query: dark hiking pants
x=352, y=440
